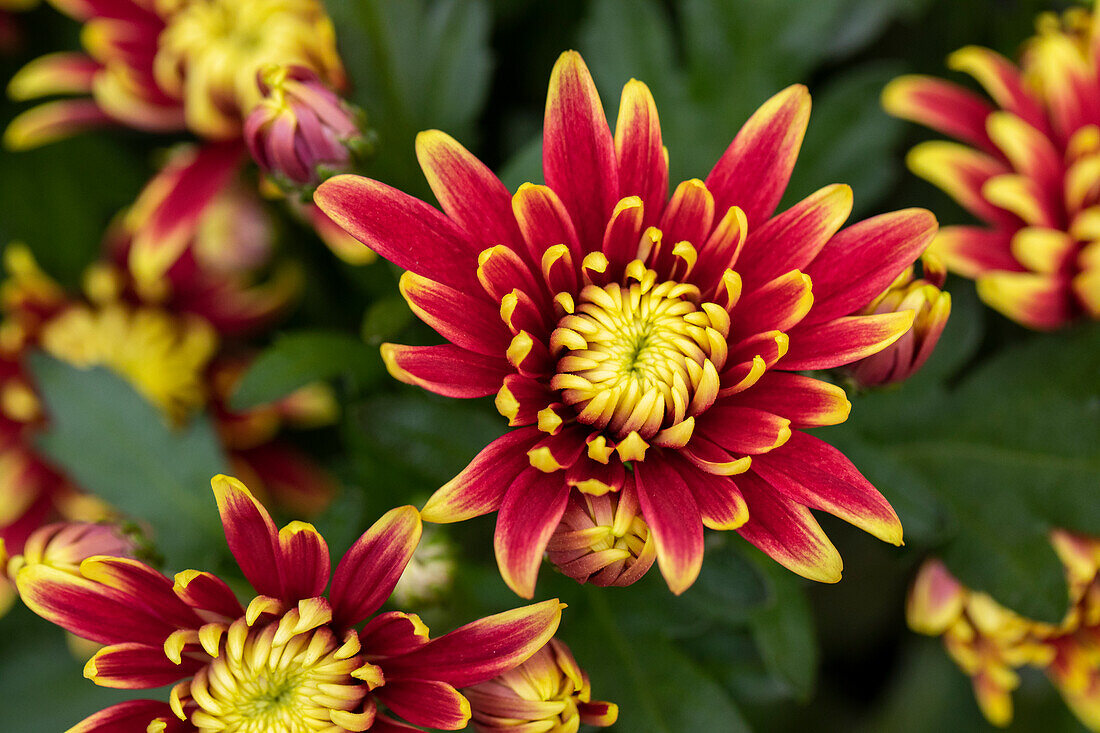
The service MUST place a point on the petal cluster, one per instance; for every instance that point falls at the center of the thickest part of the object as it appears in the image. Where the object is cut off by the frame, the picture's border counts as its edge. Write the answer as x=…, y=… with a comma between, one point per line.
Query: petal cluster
x=991, y=643
x=1027, y=163
x=166, y=66
x=643, y=345
x=293, y=658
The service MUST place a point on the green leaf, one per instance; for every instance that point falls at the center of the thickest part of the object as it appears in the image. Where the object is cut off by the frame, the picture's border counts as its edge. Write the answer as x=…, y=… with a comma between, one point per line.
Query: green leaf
x=301, y=357
x=384, y=320
x=414, y=65
x=117, y=446
x=657, y=687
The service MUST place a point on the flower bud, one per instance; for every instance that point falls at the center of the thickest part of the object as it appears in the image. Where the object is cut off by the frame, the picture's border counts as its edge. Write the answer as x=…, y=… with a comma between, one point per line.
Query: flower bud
x=602, y=540
x=64, y=545
x=301, y=131
x=931, y=307
x=548, y=692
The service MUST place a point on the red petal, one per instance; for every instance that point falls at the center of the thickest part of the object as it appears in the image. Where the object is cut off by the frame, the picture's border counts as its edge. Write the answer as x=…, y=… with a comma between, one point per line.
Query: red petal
x=481, y=650
x=404, y=230
x=755, y=169
x=578, y=152
x=252, y=536
x=862, y=260
x=721, y=505
x=805, y=401
x=532, y=507
x=544, y=221
x=816, y=474
x=941, y=105
x=393, y=633
x=207, y=592
x=137, y=667
x=480, y=487
x=743, y=430
x=132, y=716
x=844, y=340
x=1001, y=80
x=973, y=251
x=673, y=517
x=467, y=190
x=643, y=169
x=426, y=702
x=135, y=579
x=447, y=370
x=304, y=560
x=52, y=121
x=367, y=574
x=472, y=323
x=786, y=531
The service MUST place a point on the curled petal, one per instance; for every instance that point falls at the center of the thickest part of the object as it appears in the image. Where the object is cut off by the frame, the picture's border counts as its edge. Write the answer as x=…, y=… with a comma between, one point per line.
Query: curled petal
x=429, y=703
x=137, y=667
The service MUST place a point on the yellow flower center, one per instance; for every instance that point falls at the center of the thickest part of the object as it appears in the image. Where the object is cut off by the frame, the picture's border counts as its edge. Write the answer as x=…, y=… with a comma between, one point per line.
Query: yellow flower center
x=162, y=356
x=211, y=51
x=268, y=679
x=641, y=356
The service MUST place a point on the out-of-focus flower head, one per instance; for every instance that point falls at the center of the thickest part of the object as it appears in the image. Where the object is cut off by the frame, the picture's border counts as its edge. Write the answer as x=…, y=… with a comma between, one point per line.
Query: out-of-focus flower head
x=549, y=693
x=170, y=65
x=291, y=658
x=301, y=132
x=430, y=573
x=602, y=540
x=624, y=329
x=932, y=306
x=991, y=643
x=1028, y=165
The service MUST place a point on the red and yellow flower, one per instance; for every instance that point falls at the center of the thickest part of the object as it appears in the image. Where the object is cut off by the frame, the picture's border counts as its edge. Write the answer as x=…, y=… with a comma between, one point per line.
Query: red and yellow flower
x=641, y=344
x=549, y=693
x=292, y=658
x=1028, y=165
x=170, y=65
x=990, y=642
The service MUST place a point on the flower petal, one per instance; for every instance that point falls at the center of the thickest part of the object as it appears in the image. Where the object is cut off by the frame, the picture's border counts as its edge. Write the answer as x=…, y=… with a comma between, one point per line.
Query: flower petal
x=643, y=168
x=472, y=323
x=812, y=472
x=973, y=251
x=754, y=171
x=480, y=487
x=1037, y=301
x=844, y=340
x=960, y=172
x=578, y=152
x=805, y=401
x=742, y=430
x=862, y=260
x=207, y=592
x=481, y=650
x=430, y=703
x=470, y=194
x=252, y=536
x=673, y=517
x=1001, y=80
x=55, y=73
x=532, y=508
x=406, y=231
x=368, y=572
x=936, y=599
x=132, y=716
x=137, y=667
x=304, y=560
x=941, y=105
x=55, y=121
x=447, y=370
x=787, y=532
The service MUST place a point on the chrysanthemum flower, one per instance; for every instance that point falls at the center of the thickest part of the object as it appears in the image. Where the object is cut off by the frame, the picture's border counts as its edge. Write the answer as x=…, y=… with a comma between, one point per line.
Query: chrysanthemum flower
x=1028, y=165
x=642, y=343
x=292, y=659
x=932, y=306
x=991, y=643
x=549, y=693
x=170, y=65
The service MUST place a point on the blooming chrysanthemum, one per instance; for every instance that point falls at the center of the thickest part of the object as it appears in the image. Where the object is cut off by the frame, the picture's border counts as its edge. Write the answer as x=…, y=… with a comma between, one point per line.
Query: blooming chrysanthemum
x=643, y=344
x=991, y=643
x=1028, y=165
x=549, y=693
x=170, y=65
x=292, y=659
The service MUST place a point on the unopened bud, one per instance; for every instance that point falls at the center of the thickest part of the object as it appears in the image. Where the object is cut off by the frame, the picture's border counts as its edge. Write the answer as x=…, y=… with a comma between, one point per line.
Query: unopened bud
x=602, y=540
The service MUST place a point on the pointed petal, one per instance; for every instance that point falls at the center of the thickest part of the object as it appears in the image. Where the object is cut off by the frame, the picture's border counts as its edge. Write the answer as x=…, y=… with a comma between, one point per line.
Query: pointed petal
x=787, y=532
x=132, y=716
x=721, y=505
x=481, y=650
x=470, y=322
x=973, y=251
x=805, y=401
x=367, y=574
x=252, y=536
x=844, y=340
x=406, y=231
x=643, y=169
x=1001, y=80
x=54, y=73
x=754, y=171
x=862, y=260
x=673, y=517
x=941, y=105
x=532, y=508
x=55, y=121
x=480, y=487
x=201, y=590
x=137, y=667
x=430, y=703
x=447, y=370
x=578, y=153
x=812, y=472
x=743, y=430
x=470, y=194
